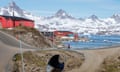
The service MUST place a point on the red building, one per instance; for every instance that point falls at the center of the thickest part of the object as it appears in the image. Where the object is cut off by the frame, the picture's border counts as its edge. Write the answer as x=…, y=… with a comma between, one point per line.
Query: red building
x=10, y=22
x=62, y=33
x=66, y=34
x=76, y=37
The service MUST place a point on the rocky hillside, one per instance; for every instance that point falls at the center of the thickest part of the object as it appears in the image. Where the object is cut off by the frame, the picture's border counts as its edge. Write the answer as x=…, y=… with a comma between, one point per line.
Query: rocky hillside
x=30, y=36
x=37, y=61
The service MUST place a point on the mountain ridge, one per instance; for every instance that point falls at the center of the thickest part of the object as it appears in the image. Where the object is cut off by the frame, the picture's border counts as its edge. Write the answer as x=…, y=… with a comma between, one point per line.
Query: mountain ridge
x=61, y=20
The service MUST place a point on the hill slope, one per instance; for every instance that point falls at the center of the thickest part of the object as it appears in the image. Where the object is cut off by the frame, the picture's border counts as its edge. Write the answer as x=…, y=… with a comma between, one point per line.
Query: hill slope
x=29, y=36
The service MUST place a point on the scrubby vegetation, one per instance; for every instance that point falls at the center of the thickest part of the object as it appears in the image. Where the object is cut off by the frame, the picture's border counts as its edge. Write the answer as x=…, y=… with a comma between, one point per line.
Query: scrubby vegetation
x=30, y=36
x=37, y=61
x=111, y=64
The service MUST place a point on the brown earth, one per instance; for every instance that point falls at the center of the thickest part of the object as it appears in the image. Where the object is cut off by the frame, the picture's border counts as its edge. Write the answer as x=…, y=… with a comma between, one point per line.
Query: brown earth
x=37, y=61
x=29, y=36
x=111, y=63
x=94, y=59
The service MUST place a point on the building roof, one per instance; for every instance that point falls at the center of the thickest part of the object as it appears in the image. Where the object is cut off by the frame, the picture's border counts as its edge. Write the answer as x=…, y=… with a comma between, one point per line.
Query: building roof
x=16, y=18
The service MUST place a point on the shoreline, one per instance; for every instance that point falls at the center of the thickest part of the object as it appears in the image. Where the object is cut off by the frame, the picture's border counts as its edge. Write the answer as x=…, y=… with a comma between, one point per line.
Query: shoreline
x=96, y=48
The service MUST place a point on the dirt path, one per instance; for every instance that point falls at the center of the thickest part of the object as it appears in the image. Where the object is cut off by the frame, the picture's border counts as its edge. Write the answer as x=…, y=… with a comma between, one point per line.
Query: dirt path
x=93, y=59
x=8, y=47
x=91, y=62
x=6, y=52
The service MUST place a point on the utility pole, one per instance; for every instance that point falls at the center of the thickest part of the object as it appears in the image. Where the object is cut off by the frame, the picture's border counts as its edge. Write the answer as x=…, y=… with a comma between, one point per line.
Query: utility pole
x=13, y=14
x=13, y=18
x=21, y=50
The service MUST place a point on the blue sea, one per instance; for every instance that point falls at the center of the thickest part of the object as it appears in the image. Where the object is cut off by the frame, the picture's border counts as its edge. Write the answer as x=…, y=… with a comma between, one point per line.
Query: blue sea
x=96, y=41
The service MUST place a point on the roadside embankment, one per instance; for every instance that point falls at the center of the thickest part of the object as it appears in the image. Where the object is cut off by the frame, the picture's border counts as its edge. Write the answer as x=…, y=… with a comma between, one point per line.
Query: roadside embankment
x=36, y=61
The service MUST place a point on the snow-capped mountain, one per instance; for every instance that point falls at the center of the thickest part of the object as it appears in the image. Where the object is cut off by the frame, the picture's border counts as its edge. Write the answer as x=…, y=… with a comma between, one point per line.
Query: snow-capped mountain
x=116, y=17
x=61, y=20
x=8, y=10
x=62, y=14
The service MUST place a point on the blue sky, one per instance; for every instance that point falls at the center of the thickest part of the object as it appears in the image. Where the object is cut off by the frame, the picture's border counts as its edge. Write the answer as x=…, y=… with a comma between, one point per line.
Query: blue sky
x=76, y=8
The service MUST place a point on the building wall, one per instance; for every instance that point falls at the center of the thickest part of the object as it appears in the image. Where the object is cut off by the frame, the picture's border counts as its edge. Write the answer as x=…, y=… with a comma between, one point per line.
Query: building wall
x=0, y=22
x=8, y=23
x=24, y=23
x=28, y=23
x=62, y=33
x=3, y=22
